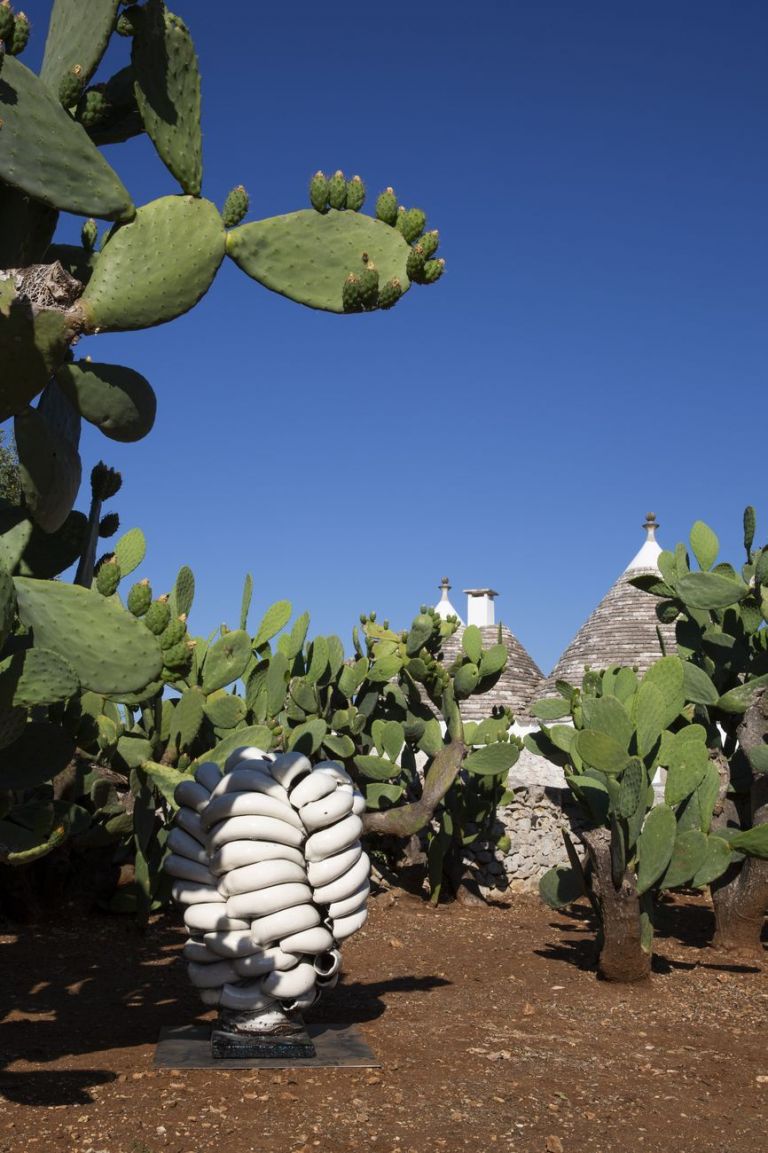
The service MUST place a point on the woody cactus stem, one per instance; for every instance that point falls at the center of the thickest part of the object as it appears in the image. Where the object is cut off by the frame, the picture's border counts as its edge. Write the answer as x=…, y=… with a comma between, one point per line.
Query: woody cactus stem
x=409, y=819
x=740, y=896
x=622, y=957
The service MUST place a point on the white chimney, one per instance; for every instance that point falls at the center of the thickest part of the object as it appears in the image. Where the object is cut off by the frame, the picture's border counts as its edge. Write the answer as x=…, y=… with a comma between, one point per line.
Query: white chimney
x=480, y=610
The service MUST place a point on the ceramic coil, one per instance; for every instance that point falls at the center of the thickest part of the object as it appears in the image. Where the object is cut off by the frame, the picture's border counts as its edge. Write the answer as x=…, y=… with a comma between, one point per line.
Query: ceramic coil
x=270, y=871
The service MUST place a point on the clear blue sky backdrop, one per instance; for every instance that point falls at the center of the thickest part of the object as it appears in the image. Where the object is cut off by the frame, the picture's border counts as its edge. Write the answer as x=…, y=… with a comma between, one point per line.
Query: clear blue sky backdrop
x=597, y=348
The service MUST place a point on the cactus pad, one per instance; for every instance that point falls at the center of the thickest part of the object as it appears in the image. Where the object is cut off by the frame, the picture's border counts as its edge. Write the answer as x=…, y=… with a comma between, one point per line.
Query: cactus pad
x=655, y=845
x=688, y=856
x=168, y=92
x=36, y=676
x=155, y=268
x=109, y=649
x=119, y=401
x=32, y=345
x=46, y=154
x=49, y=468
x=77, y=37
x=307, y=256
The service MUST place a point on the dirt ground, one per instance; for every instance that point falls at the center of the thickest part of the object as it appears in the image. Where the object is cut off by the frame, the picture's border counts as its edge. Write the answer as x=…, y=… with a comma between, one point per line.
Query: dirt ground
x=492, y=1031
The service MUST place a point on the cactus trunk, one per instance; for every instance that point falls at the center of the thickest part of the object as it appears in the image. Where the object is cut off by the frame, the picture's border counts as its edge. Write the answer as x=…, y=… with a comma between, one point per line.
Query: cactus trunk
x=622, y=956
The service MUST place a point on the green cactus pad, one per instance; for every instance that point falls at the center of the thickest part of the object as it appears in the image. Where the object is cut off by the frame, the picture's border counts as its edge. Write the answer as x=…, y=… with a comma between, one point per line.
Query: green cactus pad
x=46, y=154
x=32, y=345
x=26, y=228
x=754, y=842
x=155, y=268
x=717, y=859
x=130, y=550
x=36, y=676
x=307, y=256
x=7, y=604
x=49, y=469
x=258, y=735
x=183, y=592
x=688, y=856
x=655, y=845
x=109, y=649
x=119, y=401
x=188, y=717
x=225, y=711
x=601, y=751
x=168, y=92
x=561, y=886
x=688, y=761
x=226, y=661
x=77, y=37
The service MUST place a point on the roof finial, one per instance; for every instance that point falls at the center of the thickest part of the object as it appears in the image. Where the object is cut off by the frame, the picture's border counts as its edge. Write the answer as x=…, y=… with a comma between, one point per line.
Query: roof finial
x=445, y=585
x=650, y=526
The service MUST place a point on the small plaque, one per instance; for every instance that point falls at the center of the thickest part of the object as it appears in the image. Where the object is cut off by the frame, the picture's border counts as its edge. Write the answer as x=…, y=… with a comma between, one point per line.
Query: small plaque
x=246, y=1046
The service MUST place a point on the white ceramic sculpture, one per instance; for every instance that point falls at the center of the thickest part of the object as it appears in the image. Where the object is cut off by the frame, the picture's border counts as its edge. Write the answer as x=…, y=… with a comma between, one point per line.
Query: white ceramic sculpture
x=268, y=865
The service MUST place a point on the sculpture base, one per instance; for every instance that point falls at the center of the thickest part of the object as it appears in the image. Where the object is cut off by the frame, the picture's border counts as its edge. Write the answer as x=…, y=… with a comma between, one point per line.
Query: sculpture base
x=250, y=1046
x=189, y=1047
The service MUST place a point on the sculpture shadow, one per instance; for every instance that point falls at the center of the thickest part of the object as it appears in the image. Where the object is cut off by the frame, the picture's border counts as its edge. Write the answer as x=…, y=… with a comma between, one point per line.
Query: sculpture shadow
x=354, y=1002
x=70, y=992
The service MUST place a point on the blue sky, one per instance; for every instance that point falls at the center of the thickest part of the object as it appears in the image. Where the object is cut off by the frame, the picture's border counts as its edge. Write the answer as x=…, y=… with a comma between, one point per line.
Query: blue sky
x=597, y=347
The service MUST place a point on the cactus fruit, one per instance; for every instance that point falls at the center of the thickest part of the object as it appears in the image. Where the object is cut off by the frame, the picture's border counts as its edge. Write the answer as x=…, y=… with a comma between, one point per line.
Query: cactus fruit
x=6, y=21
x=71, y=87
x=390, y=292
x=108, y=577
x=352, y=300
x=429, y=242
x=89, y=234
x=386, y=206
x=177, y=656
x=369, y=285
x=20, y=37
x=93, y=108
x=318, y=192
x=411, y=224
x=355, y=194
x=157, y=616
x=433, y=270
x=416, y=262
x=337, y=191
x=139, y=598
x=174, y=631
x=106, y=482
x=235, y=207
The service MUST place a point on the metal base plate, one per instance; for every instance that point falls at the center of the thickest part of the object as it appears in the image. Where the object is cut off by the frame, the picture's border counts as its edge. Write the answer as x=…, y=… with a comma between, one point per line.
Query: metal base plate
x=189, y=1047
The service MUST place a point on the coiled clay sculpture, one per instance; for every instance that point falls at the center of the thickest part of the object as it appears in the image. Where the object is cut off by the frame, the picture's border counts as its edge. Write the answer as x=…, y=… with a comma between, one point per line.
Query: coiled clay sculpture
x=268, y=865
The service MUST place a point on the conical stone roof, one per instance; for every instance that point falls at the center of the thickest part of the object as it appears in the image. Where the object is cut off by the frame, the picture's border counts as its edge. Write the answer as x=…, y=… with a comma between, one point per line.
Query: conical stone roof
x=518, y=684
x=621, y=630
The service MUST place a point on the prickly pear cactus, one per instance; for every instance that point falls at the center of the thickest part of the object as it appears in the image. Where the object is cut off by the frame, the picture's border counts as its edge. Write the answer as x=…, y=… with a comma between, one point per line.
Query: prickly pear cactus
x=268, y=866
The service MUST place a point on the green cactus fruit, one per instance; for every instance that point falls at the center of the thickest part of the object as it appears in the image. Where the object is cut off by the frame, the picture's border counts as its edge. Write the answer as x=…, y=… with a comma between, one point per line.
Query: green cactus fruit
x=158, y=616
x=416, y=262
x=139, y=598
x=108, y=577
x=433, y=270
x=411, y=223
x=167, y=89
x=47, y=155
x=390, y=292
x=106, y=482
x=369, y=285
x=307, y=256
x=355, y=194
x=20, y=37
x=386, y=206
x=126, y=21
x=429, y=242
x=93, y=108
x=89, y=234
x=318, y=192
x=174, y=632
x=352, y=299
x=337, y=191
x=178, y=656
x=109, y=524
x=6, y=22
x=235, y=207
x=178, y=242
x=71, y=86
